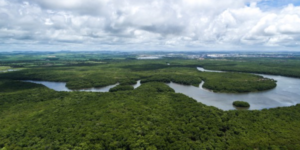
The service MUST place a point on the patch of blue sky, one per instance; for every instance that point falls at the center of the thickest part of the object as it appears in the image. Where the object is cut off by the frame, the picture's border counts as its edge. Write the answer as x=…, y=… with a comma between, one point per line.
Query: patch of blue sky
x=269, y=4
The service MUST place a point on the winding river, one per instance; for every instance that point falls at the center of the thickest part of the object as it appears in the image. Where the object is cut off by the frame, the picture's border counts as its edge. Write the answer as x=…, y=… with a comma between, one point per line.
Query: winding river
x=286, y=93
x=61, y=86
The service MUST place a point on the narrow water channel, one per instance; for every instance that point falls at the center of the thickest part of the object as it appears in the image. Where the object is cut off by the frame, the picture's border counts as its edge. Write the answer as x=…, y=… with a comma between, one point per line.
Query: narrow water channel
x=61, y=86
x=8, y=70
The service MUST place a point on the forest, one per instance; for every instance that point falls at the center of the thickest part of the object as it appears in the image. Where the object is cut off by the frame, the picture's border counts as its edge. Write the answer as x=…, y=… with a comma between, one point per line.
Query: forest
x=151, y=116
x=87, y=75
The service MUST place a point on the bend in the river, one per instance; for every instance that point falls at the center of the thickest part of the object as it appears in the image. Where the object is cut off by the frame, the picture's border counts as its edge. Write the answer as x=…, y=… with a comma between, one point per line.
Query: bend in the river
x=286, y=93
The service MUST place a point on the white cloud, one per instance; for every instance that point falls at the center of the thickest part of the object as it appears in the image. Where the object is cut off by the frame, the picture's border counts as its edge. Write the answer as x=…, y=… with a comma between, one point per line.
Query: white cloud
x=144, y=24
x=2, y=3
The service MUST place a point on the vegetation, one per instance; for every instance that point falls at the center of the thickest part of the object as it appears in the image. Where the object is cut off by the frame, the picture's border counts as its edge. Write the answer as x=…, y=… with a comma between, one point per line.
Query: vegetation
x=181, y=79
x=273, y=66
x=11, y=86
x=286, y=66
x=240, y=104
x=127, y=72
x=121, y=88
x=152, y=116
x=4, y=68
x=154, y=87
x=236, y=82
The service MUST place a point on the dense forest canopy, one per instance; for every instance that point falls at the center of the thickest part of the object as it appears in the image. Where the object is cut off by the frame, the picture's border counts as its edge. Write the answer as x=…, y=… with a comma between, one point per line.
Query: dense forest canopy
x=151, y=116
x=87, y=75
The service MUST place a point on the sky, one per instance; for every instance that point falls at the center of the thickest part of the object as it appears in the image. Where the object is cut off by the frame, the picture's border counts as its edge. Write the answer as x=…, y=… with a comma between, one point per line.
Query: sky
x=159, y=25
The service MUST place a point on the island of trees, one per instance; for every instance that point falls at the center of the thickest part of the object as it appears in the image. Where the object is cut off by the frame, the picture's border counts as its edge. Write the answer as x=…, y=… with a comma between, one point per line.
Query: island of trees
x=241, y=104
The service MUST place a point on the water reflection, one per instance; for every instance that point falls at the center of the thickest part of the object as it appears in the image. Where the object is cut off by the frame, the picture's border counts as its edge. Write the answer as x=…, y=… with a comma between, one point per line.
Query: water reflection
x=204, y=70
x=102, y=89
x=8, y=70
x=61, y=86
x=57, y=86
x=286, y=93
x=138, y=84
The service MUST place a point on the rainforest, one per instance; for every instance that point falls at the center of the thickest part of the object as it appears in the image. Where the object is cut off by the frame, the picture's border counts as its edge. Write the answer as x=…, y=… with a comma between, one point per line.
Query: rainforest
x=151, y=116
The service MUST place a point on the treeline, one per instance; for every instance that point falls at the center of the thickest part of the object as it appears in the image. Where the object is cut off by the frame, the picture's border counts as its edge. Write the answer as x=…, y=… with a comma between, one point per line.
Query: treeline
x=274, y=66
x=78, y=77
x=121, y=88
x=181, y=79
x=152, y=116
x=12, y=86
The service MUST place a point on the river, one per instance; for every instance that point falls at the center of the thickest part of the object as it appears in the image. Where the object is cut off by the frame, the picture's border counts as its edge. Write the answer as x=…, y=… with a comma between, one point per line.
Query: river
x=286, y=93
x=61, y=86
x=8, y=70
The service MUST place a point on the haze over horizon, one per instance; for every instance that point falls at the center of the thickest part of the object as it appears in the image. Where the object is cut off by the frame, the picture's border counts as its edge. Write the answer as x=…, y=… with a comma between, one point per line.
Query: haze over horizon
x=170, y=25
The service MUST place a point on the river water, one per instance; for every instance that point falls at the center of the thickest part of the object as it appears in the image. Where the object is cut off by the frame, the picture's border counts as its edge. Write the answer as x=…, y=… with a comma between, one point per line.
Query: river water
x=286, y=93
x=61, y=86
x=8, y=70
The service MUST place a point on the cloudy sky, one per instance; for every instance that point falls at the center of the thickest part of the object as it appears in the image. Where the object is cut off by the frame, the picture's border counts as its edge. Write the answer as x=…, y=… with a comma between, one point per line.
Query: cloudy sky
x=150, y=25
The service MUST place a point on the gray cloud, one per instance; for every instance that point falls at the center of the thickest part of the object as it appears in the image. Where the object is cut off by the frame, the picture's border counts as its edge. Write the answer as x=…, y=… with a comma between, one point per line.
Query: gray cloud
x=144, y=25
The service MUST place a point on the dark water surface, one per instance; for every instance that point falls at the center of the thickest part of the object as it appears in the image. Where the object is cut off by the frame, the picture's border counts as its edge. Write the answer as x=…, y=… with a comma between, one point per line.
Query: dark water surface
x=287, y=93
